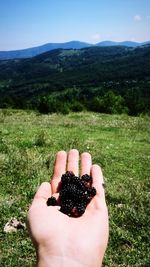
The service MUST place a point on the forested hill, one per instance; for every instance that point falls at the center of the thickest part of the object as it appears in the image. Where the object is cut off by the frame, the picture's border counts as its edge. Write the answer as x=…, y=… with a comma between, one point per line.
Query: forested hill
x=34, y=51
x=117, y=68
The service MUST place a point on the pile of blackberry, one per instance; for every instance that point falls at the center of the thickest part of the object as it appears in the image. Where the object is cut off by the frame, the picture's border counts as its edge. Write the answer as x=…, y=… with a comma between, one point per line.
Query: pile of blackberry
x=74, y=194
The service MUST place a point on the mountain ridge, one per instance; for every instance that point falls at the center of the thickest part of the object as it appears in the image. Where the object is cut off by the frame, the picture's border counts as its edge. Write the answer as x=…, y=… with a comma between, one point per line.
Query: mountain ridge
x=33, y=51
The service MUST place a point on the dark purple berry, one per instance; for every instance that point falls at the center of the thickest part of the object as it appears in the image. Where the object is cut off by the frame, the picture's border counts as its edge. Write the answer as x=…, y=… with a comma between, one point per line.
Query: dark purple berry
x=66, y=177
x=52, y=201
x=74, y=194
x=92, y=191
x=87, y=178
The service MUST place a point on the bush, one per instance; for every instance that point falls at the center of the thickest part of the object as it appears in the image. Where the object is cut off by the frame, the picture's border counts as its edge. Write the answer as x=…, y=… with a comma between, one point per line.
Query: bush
x=77, y=107
x=63, y=108
x=109, y=103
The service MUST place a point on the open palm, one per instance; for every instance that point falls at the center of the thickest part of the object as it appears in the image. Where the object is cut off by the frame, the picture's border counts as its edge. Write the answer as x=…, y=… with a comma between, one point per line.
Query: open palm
x=80, y=240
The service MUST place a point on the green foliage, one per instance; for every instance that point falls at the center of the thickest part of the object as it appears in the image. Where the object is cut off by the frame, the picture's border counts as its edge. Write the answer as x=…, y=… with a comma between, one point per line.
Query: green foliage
x=135, y=101
x=113, y=104
x=49, y=104
x=77, y=106
x=64, y=108
x=109, y=103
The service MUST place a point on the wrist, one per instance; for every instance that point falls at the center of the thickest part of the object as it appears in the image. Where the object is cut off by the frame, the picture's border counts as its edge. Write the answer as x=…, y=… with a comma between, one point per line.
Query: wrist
x=46, y=258
x=57, y=261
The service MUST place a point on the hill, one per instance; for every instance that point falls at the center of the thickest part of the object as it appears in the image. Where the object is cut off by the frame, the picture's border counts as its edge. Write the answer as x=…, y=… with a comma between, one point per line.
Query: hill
x=92, y=71
x=33, y=51
x=124, y=43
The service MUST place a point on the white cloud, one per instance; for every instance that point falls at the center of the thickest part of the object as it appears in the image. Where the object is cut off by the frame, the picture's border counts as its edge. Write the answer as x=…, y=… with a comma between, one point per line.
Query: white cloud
x=137, y=18
x=96, y=37
x=133, y=39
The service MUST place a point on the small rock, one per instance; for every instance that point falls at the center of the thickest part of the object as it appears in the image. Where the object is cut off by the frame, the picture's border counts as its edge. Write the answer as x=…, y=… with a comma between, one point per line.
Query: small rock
x=13, y=225
x=120, y=205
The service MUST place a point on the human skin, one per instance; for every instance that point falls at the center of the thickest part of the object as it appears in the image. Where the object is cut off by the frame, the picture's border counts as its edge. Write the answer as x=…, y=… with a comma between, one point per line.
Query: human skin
x=61, y=240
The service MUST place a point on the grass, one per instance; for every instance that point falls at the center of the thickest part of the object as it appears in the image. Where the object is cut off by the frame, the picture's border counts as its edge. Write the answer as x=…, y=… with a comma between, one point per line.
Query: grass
x=119, y=143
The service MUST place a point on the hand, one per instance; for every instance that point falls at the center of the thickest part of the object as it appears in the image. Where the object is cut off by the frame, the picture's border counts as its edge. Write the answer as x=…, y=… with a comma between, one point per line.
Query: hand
x=61, y=240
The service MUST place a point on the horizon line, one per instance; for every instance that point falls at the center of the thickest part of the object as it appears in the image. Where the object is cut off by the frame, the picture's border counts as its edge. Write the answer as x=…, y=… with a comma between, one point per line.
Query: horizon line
x=90, y=43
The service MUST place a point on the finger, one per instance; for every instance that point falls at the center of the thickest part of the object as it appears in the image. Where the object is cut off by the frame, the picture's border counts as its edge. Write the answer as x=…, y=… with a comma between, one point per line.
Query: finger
x=98, y=181
x=59, y=169
x=86, y=163
x=44, y=192
x=73, y=161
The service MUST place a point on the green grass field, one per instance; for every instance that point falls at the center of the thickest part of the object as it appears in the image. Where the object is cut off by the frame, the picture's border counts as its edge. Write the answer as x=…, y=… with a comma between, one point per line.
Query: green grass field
x=119, y=143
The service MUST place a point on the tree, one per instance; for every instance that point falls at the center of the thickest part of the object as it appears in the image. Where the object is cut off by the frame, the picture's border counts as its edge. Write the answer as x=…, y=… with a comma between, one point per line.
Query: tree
x=109, y=103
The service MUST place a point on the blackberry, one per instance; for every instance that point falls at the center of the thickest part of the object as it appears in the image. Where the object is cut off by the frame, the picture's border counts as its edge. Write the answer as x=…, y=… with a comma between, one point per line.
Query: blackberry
x=92, y=191
x=86, y=180
x=66, y=206
x=76, y=180
x=62, y=194
x=69, y=190
x=66, y=177
x=81, y=208
x=68, y=203
x=80, y=194
x=52, y=201
x=74, y=194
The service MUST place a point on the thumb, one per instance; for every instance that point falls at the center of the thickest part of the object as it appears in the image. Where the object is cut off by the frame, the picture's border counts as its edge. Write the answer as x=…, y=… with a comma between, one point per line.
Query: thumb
x=44, y=192
x=40, y=198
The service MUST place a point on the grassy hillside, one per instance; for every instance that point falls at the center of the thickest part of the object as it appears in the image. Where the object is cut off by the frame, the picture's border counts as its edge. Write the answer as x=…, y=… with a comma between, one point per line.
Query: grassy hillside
x=120, y=144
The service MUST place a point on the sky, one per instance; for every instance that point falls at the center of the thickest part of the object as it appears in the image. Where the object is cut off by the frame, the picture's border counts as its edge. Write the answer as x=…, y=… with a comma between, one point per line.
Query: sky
x=30, y=23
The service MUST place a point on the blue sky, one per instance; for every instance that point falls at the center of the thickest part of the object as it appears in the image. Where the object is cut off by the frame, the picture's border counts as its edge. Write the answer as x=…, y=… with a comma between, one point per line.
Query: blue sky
x=28, y=23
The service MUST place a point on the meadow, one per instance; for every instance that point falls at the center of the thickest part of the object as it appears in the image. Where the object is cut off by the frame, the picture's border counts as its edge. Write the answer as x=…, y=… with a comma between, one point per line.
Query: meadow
x=119, y=143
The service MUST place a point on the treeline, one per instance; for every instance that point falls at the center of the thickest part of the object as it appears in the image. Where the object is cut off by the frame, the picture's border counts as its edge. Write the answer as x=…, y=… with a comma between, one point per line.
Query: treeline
x=110, y=102
x=133, y=102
